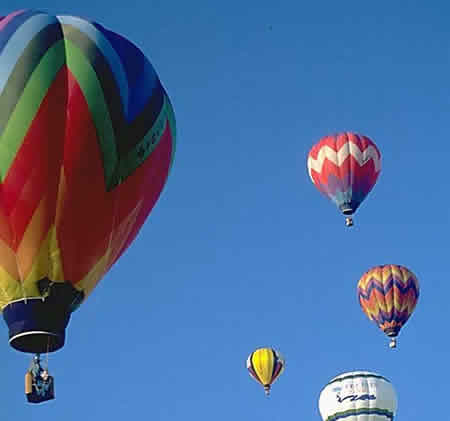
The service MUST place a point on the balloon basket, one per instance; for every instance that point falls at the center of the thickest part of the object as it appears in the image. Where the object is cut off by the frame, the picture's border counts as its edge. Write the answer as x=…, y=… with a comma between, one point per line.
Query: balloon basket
x=36, y=325
x=393, y=343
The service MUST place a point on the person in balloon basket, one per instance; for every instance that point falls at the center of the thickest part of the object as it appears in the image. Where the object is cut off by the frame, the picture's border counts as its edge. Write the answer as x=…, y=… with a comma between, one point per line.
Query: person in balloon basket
x=39, y=385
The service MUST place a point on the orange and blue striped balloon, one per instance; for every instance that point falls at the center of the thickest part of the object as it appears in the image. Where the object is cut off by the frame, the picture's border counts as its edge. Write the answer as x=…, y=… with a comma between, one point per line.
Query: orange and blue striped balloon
x=388, y=295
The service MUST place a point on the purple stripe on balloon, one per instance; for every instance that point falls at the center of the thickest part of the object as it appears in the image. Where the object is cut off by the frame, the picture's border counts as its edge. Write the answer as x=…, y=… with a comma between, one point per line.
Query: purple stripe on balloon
x=9, y=25
x=141, y=77
x=8, y=18
x=384, y=288
x=391, y=316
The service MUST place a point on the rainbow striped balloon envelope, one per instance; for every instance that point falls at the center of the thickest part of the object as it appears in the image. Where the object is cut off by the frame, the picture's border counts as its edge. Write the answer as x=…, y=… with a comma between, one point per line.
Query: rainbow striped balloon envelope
x=388, y=295
x=87, y=136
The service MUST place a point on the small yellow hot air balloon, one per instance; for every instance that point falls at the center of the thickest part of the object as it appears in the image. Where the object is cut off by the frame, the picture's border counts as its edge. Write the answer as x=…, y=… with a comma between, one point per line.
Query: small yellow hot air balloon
x=265, y=365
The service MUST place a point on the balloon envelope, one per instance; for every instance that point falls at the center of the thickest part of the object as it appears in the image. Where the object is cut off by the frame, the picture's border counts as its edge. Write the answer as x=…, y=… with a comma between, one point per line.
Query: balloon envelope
x=358, y=396
x=344, y=167
x=87, y=134
x=265, y=365
x=388, y=295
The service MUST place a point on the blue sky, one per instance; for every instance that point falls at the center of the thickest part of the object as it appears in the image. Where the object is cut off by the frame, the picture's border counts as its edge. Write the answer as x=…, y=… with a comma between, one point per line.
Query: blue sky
x=241, y=251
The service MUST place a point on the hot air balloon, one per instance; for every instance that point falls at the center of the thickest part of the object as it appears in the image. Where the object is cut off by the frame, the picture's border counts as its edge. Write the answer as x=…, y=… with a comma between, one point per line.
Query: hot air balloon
x=87, y=136
x=388, y=295
x=265, y=365
x=345, y=167
x=358, y=396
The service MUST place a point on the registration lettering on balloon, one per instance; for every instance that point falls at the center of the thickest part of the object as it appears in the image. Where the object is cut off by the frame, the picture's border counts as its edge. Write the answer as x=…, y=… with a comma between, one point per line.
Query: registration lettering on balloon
x=136, y=156
x=352, y=398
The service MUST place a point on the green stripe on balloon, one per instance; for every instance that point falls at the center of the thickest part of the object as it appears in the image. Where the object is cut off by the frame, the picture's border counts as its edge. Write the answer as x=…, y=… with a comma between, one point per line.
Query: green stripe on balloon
x=356, y=376
x=145, y=147
x=173, y=129
x=90, y=85
x=361, y=411
x=24, y=68
x=95, y=56
x=28, y=105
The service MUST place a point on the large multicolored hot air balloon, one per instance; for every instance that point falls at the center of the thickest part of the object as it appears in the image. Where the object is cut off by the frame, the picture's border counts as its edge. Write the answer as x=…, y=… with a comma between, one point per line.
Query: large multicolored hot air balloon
x=358, y=396
x=345, y=167
x=265, y=365
x=388, y=295
x=87, y=136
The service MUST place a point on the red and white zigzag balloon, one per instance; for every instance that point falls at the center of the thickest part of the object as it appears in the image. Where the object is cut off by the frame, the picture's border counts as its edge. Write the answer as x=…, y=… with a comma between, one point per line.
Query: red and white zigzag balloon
x=345, y=167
